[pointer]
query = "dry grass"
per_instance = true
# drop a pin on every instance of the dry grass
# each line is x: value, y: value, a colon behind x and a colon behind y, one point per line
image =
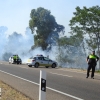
x: 8, y: 93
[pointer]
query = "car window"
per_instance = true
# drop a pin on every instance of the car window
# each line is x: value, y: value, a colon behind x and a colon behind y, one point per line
x: 40, y: 58
x: 45, y: 58
x: 35, y: 58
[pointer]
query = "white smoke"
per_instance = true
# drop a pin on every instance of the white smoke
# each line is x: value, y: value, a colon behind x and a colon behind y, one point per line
x: 16, y: 43
x: 3, y: 39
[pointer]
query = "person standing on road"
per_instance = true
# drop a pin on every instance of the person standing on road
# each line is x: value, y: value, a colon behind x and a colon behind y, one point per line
x: 92, y: 62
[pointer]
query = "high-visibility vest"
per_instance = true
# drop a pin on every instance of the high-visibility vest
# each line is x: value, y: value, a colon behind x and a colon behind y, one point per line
x: 14, y: 57
x: 92, y: 56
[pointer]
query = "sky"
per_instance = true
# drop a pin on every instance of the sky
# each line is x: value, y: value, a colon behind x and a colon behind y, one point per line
x: 15, y: 14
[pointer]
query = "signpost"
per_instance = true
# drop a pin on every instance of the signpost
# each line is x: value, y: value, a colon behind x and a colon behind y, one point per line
x: 42, y: 87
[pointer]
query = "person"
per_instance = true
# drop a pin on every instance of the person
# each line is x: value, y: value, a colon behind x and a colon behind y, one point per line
x: 14, y: 58
x: 92, y: 61
x: 17, y: 57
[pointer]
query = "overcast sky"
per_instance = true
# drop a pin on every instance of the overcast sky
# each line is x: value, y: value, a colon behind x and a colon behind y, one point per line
x: 15, y: 14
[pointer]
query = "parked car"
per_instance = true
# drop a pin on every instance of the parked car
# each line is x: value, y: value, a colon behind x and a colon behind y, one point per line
x: 40, y: 60
x: 17, y: 61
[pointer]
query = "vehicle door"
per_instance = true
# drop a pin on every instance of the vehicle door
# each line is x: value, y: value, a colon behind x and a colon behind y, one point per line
x: 45, y: 61
x: 40, y: 61
x: 50, y: 62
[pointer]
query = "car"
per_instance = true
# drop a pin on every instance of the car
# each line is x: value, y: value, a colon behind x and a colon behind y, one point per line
x: 18, y: 61
x: 40, y: 60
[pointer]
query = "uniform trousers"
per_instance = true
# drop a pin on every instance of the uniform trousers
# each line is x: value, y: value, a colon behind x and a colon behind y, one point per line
x: 91, y: 66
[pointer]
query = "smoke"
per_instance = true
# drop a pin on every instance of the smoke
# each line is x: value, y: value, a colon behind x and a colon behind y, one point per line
x: 70, y: 57
x: 16, y: 43
x: 19, y: 44
x: 3, y: 39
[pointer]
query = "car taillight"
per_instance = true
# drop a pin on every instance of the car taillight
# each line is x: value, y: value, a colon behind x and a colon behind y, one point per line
x: 33, y: 60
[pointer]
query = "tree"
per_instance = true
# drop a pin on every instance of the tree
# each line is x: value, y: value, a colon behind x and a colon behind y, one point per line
x: 87, y: 21
x: 69, y: 48
x: 43, y: 24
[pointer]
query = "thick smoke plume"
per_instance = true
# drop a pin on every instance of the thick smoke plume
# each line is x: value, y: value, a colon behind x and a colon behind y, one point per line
x: 16, y: 43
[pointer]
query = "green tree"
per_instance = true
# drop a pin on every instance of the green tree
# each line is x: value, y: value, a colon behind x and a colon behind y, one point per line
x: 87, y: 21
x: 43, y: 23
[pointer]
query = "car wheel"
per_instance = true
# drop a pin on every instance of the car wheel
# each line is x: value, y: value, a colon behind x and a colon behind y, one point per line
x: 53, y: 65
x: 47, y: 66
x: 36, y: 65
x: 30, y: 65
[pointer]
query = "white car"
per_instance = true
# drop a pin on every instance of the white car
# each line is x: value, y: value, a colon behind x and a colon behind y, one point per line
x: 11, y: 61
x: 41, y: 61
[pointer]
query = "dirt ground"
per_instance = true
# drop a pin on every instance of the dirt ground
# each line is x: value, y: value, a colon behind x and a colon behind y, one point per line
x: 8, y: 93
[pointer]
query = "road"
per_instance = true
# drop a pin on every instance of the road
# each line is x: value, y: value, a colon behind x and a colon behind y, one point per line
x: 62, y: 83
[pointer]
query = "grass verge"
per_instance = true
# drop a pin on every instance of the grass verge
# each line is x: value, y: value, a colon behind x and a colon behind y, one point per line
x: 8, y: 93
x: 98, y: 71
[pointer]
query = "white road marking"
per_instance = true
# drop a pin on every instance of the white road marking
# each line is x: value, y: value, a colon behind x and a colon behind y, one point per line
x: 66, y: 94
x: 46, y: 87
x: 72, y: 71
x: 61, y: 74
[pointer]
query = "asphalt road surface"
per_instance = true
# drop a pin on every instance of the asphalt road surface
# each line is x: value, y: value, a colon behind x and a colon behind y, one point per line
x: 62, y: 83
